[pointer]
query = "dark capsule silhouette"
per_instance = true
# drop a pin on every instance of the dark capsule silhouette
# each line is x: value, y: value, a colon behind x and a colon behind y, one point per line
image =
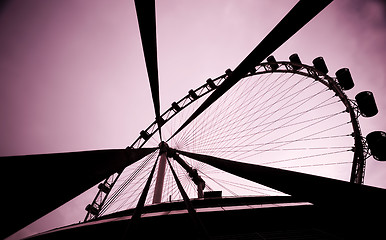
x: 144, y: 135
x: 91, y: 209
x: 294, y: 58
x: 272, y: 63
x: 344, y: 78
x: 366, y: 104
x: 377, y: 143
x: 192, y: 94
x: 175, y: 107
x: 320, y: 65
x: 210, y: 83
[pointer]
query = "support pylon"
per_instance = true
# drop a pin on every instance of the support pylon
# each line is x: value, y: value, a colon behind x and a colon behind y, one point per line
x: 159, y: 184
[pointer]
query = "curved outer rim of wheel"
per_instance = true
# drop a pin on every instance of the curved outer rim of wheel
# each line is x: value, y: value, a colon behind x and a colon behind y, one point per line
x: 359, y: 158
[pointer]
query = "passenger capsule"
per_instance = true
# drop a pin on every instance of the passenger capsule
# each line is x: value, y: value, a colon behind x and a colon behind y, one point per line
x: 228, y: 72
x: 377, y: 143
x: 210, y: 83
x: 175, y: 107
x: 344, y: 78
x: 294, y: 58
x: 320, y: 65
x: 144, y: 135
x: 192, y: 94
x: 366, y: 104
x: 272, y: 63
x: 91, y: 209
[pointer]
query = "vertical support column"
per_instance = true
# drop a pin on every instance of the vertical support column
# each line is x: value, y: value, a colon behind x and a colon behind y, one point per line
x: 159, y: 184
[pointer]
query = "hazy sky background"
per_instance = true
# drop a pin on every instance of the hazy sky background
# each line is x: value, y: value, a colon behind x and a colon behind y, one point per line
x: 72, y: 73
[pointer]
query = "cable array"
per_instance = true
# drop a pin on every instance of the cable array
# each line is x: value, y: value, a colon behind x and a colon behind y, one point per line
x: 275, y: 119
x: 281, y: 120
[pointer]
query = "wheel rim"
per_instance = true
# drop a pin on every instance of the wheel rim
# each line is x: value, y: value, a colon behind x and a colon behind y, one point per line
x: 292, y: 117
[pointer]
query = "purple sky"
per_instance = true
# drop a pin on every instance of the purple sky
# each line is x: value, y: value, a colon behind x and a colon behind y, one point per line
x: 72, y: 73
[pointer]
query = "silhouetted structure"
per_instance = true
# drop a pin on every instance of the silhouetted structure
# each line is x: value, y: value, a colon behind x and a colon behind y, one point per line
x: 318, y: 208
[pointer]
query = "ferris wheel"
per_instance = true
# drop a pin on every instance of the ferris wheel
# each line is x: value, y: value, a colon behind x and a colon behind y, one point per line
x: 282, y: 114
x: 266, y: 127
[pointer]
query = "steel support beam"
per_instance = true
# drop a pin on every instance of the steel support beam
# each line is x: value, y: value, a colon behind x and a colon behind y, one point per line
x: 130, y: 229
x: 340, y: 201
x: 316, y: 189
x: 146, y: 16
x: 159, y: 184
x: 203, y: 234
x: 296, y: 18
x: 46, y: 181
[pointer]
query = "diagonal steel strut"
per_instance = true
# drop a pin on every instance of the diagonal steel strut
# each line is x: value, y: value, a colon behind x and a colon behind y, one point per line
x: 193, y: 174
x: 54, y: 179
x: 330, y: 194
x: 299, y: 16
x: 147, y: 26
x: 192, y: 212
